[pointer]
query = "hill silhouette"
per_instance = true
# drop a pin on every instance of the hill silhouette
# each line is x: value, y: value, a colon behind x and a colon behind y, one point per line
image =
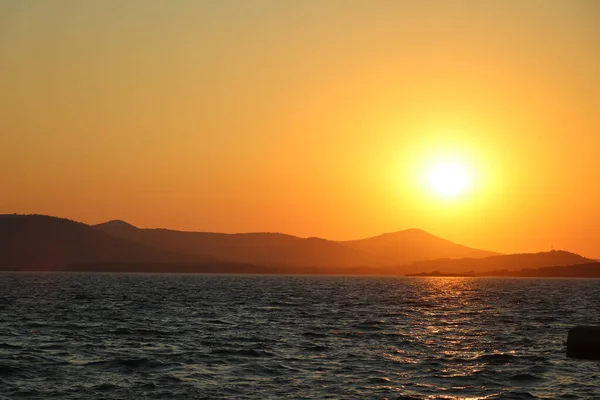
x: 510, y: 262
x: 590, y: 270
x: 37, y: 242
x: 277, y: 249
x: 268, y: 249
x: 413, y: 245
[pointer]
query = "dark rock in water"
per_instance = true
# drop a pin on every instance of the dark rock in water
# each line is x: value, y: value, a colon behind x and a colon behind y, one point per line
x: 584, y: 342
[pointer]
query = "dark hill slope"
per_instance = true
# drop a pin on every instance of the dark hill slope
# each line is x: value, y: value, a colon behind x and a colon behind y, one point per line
x: 269, y: 249
x: 510, y: 262
x: 413, y: 245
x: 36, y: 242
x: 591, y: 270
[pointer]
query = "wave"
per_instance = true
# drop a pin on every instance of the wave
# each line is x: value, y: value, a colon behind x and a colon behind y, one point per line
x: 130, y: 365
x: 242, y: 352
x: 140, y: 332
x: 495, y: 358
x: 10, y: 346
x: 525, y: 377
x: 9, y: 370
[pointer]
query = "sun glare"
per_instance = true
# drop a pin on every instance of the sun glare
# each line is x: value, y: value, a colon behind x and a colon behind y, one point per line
x: 448, y: 171
x: 448, y: 178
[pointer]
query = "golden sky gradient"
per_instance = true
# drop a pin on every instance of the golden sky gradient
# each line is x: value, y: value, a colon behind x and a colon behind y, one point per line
x: 314, y: 118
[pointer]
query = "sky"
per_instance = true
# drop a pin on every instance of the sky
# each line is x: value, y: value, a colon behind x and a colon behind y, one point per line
x: 313, y: 118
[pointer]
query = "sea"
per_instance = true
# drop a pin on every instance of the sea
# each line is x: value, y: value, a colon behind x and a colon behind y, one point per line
x: 187, y: 336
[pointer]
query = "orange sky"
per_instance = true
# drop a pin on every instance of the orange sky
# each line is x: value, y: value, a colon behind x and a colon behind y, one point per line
x: 314, y: 118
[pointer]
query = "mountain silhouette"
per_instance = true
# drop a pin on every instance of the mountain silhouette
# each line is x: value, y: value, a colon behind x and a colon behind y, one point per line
x: 268, y: 249
x: 37, y: 242
x: 496, y: 265
x: 281, y: 250
x: 589, y: 270
x: 47, y: 243
x: 412, y: 245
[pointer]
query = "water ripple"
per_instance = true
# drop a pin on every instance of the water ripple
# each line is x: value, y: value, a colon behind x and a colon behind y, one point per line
x: 109, y: 336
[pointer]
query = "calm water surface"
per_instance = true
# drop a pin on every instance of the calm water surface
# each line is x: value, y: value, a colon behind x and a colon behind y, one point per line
x: 73, y: 336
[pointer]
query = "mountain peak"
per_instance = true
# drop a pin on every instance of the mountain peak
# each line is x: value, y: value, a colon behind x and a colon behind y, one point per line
x: 40, y: 242
x: 508, y: 262
x: 117, y: 224
x: 410, y: 245
x: 408, y: 232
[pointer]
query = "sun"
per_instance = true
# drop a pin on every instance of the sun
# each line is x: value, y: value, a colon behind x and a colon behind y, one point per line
x: 447, y: 172
x: 448, y: 178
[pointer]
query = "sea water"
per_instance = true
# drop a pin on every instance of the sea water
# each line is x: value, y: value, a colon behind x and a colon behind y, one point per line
x: 118, y: 336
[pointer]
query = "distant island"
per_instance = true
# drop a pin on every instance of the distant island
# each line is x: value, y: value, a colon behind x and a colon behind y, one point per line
x: 508, y: 262
x: 45, y: 243
x: 548, y: 264
x: 590, y: 270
